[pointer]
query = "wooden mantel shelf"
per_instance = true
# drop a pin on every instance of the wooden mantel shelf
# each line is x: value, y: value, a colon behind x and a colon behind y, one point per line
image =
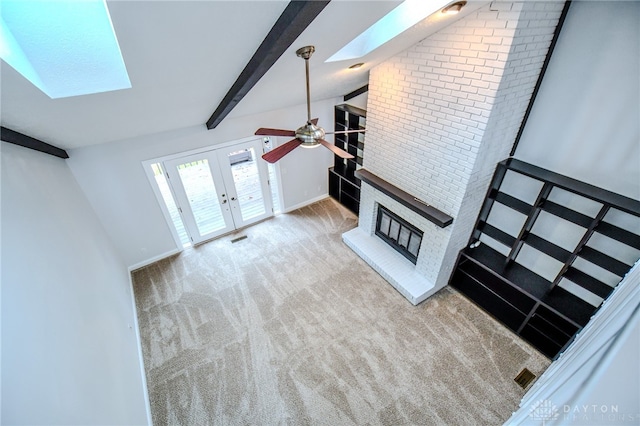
x: 425, y: 210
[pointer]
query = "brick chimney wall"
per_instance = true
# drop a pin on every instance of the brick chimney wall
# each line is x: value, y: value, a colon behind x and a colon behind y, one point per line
x: 441, y: 114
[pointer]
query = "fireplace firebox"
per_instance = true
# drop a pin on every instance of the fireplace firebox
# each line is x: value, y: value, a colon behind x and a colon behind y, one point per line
x: 398, y: 233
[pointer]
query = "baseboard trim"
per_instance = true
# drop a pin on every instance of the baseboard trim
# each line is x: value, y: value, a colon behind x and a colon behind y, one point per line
x: 178, y: 250
x: 143, y: 371
x: 154, y: 259
x: 305, y: 203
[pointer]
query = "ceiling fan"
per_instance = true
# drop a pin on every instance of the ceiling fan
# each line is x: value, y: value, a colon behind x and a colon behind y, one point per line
x: 310, y: 135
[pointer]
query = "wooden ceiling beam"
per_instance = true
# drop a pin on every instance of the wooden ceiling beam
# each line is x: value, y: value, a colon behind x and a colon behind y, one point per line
x: 356, y: 92
x: 17, y: 138
x: 295, y: 18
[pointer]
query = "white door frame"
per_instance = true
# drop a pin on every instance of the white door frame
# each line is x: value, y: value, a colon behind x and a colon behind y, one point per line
x: 147, y: 167
x: 220, y: 198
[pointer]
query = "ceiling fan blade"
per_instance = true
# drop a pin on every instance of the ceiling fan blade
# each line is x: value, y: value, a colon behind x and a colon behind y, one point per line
x: 339, y: 152
x: 277, y: 153
x: 342, y: 132
x: 263, y: 131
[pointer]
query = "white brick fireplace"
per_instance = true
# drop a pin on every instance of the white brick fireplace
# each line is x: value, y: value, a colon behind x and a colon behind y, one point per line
x: 440, y: 115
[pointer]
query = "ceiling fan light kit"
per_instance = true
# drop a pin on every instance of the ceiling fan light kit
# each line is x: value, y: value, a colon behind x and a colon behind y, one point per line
x: 308, y: 136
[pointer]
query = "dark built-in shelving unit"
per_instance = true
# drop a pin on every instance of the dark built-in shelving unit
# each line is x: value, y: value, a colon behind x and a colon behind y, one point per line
x: 547, y: 307
x: 344, y: 186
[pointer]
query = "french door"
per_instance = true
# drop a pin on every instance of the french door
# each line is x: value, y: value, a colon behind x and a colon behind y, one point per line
x: 220, y: 190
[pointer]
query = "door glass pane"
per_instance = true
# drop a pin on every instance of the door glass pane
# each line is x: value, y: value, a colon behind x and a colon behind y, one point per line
x: 275, y: 196
x: 273, y: 179
x: 246, y: 179
x: 203, y: 197
x: 170, y: 203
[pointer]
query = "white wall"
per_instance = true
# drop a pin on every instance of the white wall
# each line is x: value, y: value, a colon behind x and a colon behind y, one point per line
x: 112, y: 177
x: 69, y: 348
x: 585, y: 122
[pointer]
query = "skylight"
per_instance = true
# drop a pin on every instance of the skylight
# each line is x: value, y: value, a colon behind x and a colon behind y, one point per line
x: 403, y: 17
x: 64, y: 47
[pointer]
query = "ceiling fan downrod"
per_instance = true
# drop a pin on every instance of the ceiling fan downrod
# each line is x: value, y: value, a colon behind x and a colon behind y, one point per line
x: 305, y: 53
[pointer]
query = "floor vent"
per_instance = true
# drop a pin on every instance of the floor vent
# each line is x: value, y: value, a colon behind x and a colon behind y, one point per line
x: 525, y: 378
x: 235, y: 240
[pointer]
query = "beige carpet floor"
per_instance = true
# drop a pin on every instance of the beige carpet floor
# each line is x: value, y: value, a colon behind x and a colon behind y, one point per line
x: 288, y: 326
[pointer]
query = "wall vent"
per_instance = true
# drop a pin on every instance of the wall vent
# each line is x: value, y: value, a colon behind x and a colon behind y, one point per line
x: 235, y: 240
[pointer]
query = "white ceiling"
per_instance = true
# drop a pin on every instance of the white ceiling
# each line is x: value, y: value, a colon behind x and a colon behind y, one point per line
x: 182, y: 58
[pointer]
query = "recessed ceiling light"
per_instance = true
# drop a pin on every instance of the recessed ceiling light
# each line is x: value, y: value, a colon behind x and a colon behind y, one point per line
x: 65, y: 48
x: 356, y: 66
x: 400, y: 19
x: 454, y: 8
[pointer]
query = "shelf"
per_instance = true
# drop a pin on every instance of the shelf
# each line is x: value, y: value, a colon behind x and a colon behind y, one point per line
x: 346, y: 173
x: 538, y: 339
x: 428, y: 212
x: 491, y: 301
x: 622, y: 235
x: 572, y: 307
x: 567, y: 214
x: 344, y: 185
x: 547, y: 247
x: 559, y: 323
x: 351, y: 204
x: 549, y: 330
x: 514, y: 295
x: 350, y: 190
x: 496, y: 234
x: 352, y: 110
x: 334, y: 185
x: 519, y: 276
x: 512, y: 202
x: 621, y: 202
x: 604, y: 261
x: 521, y: 288
x: 587, y: 282
x: 543, y: 312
